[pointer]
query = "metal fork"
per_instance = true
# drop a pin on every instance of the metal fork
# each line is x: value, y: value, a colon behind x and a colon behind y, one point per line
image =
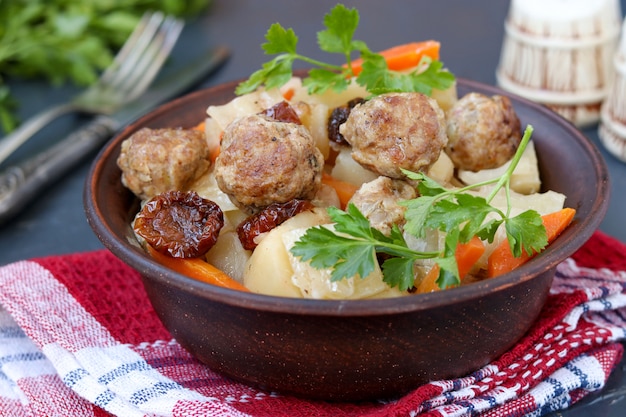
x: 131, y: 72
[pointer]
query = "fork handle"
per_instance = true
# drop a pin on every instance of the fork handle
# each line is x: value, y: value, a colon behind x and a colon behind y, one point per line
x: 30, y: 127
x: 20, y: 184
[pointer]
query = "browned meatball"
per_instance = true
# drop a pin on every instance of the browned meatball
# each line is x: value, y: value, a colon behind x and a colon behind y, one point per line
x: 263, y: 161
x: 483, y: 132
x: 378, y: 201
x: 157, y: 160
x: 394, y: 131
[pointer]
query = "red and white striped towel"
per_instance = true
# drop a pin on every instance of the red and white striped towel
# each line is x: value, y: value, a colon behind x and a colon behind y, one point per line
x: 78, y: 337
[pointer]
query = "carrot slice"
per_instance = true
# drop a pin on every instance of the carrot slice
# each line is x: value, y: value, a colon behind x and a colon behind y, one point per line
x: 200, y: 126
x: 404, y: 56
x: 288, y: 95
x: 466, y: 254
x: 215, y: 148
x: 198, y: 269
x: 502, y: 260
x: 345, y: 190
x: 429, y: 282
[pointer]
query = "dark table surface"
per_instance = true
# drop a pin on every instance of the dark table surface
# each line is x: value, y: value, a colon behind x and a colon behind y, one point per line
x: 471, y: 35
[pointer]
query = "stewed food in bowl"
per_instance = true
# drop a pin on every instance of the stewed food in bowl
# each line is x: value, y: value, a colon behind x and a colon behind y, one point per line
x: 347, y: 237
x: 241, y: 190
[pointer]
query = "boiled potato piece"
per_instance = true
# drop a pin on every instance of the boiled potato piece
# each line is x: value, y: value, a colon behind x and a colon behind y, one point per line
x: 314, y: 116
x: 229, y: 255
x: 445, y: 98
x: 525, y: 178
x: 326, y: 197
x: 348, y: 170
x: 206, y: 187
x: 315, y: 283
x: 543, y: 203
x: 269, y: 270
x: 213, y: 134
x: 244, y: 105
x: 442, y: 170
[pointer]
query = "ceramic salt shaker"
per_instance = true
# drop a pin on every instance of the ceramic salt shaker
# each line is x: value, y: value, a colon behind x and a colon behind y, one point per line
x: 559, y: 53
x: 612, y: 127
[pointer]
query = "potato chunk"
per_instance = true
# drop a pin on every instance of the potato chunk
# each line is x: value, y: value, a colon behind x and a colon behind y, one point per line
x: 525, y: 178
x: 269, y: 270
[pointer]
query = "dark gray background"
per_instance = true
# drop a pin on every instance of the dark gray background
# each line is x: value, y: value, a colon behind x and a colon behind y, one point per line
x: 471, y: 34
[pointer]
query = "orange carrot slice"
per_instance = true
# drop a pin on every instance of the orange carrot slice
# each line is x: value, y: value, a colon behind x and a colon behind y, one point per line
x: 288, y: 95
x: 466, y: 254
x: 198, y: 269
x: 345, y: 190
x: 404, y: 56
x: 502, y: 260
x: 215, y: 148
x: 200, y: 126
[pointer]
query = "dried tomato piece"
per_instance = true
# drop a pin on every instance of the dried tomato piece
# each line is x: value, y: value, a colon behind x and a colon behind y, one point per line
x: 337, y: 117
x: 282, y: 112
x: 180, y: 224
x: 267, y: 219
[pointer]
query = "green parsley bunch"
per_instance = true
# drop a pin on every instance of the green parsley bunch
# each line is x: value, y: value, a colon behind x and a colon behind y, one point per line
x: 68, y: 40
x: 338, y: 38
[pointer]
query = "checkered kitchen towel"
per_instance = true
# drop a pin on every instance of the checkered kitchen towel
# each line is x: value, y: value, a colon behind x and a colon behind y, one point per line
x: 78, y: 337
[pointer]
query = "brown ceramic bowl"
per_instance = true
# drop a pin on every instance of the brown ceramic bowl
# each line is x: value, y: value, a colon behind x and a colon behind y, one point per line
x: 353, y: 350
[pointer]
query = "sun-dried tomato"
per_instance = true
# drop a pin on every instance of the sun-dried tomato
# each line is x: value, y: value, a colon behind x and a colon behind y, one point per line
x: 180, y: 224
x: 267, y: 219
x: 282, y: 112
x: 338, y: 116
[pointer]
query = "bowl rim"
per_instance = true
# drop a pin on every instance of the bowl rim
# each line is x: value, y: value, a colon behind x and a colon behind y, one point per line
x: 150, y: 269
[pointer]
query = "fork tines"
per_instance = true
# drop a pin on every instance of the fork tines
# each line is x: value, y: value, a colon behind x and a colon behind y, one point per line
x: 143, y: 54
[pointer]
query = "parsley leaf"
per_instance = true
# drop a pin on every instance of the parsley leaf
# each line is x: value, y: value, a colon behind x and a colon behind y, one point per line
x: 448, y: 268
x: 68, y: 41
x: 350, y: 250
x: 280, y: 40
x: 338, y: 38
x: 399, y: 272
x: 378, y: 79
x: 341, y: 24
x: 320, y: 80
x: 526, y: 232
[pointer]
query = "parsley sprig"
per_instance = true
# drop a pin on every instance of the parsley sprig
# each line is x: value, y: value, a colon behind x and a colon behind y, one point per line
x: 352, y: 248
x: 338, y: 38
x: 67, y: 41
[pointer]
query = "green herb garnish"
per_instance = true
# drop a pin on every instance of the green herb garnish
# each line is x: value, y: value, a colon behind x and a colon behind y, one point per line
x: 352, y: 249
x: 338, y: 38
x: 60, y: 40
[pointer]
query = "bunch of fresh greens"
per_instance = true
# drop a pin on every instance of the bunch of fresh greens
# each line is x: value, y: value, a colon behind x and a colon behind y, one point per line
x: 68, y: 40
x: 352, y: 248
x: 338, y: 37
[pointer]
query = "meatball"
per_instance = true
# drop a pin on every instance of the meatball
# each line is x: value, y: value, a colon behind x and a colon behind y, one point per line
x: 378, y: 201
x: 483, y: 132
x: 263, y: 161
x: 157, y: 160
x: 394, y: 131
